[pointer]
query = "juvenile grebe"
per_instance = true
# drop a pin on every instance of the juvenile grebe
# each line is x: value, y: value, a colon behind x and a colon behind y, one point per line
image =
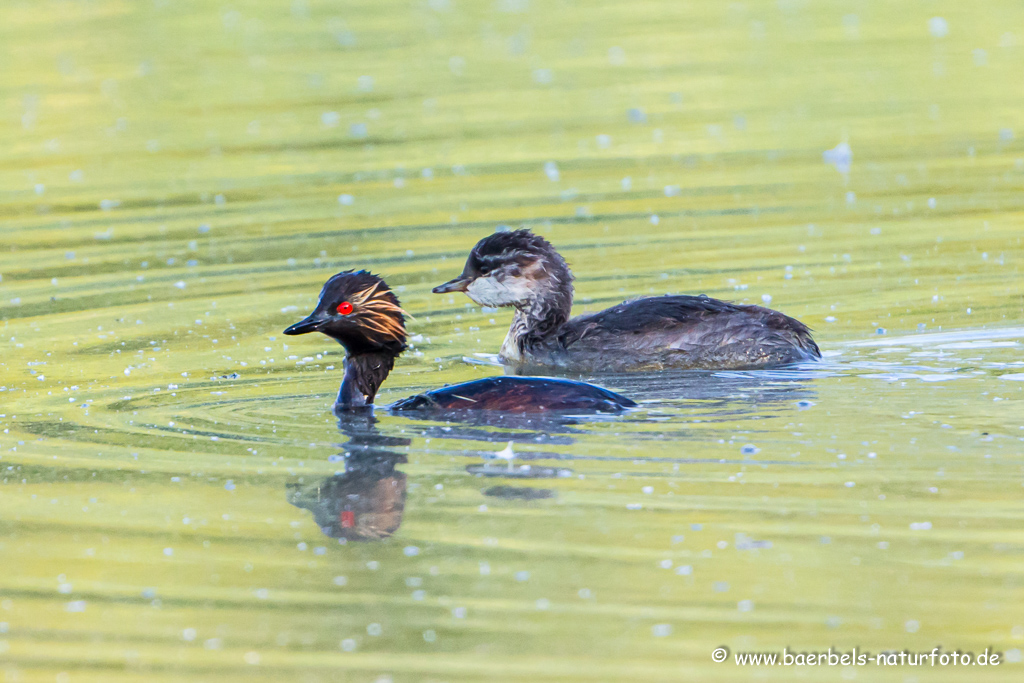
x: 522, y: 270
x: 359, y: 311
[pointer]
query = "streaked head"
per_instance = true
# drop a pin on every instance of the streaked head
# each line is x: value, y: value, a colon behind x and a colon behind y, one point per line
x: 510, y: 269
x: 360, y: 311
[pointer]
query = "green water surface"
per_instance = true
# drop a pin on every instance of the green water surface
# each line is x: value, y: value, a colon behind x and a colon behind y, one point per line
x: 178, y: 178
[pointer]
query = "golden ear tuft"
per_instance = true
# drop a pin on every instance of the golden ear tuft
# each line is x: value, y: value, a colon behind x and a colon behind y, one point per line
x: 382, y: 308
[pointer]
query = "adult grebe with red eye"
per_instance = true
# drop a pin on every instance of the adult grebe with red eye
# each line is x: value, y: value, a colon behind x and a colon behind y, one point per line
x: 344, y: 308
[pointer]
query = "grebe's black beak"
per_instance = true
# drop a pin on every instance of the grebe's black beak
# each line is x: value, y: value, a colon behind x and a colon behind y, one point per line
x: 459, y: 284
x: 310, y: 324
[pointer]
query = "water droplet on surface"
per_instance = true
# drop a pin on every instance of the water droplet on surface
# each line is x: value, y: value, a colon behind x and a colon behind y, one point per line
x: 938, y: 27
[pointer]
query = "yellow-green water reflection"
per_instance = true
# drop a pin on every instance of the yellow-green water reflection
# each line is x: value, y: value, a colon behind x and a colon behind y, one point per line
x: 178, y: 178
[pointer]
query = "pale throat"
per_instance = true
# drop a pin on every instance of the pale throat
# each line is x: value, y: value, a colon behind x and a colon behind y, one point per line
x: 488, y: 291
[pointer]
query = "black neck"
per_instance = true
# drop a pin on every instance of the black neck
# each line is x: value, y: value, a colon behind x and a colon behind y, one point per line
x: 364, y: 373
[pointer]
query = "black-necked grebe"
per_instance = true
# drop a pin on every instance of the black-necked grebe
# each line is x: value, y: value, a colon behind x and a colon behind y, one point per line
x: 359, y: 311
x: 522, y: 270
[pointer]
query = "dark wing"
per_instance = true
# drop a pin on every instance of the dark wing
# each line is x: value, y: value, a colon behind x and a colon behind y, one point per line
x: 519, y: 395
x: 697, y: 330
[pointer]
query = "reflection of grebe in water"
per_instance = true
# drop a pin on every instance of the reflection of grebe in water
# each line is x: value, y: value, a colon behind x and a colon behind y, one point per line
x: 367, y: 500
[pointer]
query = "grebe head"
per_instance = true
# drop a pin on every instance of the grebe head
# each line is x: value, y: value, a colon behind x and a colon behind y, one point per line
x: 511, y: 268
x: 360, y: 311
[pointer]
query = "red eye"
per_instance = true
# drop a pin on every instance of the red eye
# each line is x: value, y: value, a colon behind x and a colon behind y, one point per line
x: 344, y: 308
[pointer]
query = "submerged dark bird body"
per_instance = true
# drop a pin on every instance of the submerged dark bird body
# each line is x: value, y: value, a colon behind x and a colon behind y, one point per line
x: 518, y: 395
x: 359, y: 311
x: 522, y: 270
